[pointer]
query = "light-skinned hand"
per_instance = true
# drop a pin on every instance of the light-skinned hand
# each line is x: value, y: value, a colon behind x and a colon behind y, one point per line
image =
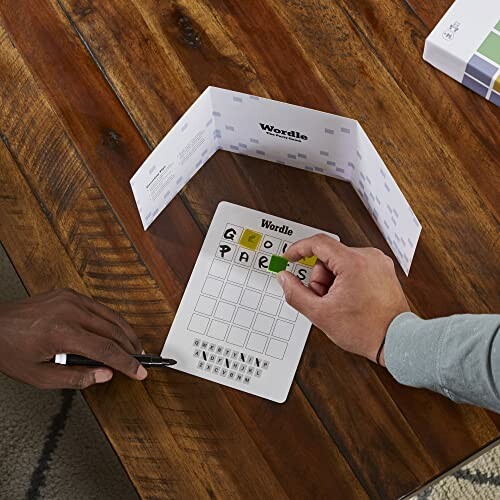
x: 353, y: 293
x: 34, y: 330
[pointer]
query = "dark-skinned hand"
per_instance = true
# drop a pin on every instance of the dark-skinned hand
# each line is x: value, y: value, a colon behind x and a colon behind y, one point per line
x: 34, y: 330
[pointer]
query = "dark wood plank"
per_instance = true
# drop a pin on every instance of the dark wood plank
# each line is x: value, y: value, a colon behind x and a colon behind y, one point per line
x: 430, y: 12
x: 198, y: 417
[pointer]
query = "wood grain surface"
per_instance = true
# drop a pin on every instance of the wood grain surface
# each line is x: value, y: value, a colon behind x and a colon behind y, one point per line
x: 88, y: 88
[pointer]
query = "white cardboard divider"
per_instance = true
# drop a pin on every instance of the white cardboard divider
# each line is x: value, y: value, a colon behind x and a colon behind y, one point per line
x: 282, y: 133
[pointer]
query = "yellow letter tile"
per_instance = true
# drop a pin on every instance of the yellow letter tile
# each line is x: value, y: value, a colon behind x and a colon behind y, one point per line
x: 308, y: 261
x: 250, y: 239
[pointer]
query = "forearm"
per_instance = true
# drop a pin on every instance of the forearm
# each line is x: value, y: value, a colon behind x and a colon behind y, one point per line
x: 457, y: 356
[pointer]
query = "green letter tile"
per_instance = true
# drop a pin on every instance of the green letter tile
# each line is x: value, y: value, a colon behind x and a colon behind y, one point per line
x: 277, y: 264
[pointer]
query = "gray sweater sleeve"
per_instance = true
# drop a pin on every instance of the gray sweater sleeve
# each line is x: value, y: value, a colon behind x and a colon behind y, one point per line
x: 458, y: 356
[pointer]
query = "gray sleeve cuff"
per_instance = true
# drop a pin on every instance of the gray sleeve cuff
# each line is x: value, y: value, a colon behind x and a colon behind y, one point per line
x: 457, y: 356
x: 412, y: 350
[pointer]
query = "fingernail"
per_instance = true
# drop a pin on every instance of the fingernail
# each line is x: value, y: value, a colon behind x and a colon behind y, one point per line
x: 281, y: 277
x: 102, y: 376
x: 141, y: 373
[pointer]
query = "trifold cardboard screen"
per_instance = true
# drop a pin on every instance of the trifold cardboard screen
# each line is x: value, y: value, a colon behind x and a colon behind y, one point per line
x: 282, y: 133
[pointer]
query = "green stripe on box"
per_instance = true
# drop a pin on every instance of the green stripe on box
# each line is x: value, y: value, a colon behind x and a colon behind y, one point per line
x: 497, y: 27
x: 491, y: 47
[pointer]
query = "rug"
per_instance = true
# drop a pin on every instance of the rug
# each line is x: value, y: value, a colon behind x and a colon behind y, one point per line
x: 478, y: 479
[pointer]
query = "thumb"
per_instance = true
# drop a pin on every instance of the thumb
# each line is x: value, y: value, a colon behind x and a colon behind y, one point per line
x: 297, y: 294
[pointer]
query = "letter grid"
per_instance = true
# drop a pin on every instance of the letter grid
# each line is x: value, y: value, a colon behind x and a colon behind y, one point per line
x: 242, y: 306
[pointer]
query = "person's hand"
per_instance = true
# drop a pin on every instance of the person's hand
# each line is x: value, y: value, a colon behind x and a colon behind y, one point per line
x: 33, y: 331
x: 353, y: 293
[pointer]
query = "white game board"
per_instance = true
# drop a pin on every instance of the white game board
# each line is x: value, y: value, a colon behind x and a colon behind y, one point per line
x: 233, y: 325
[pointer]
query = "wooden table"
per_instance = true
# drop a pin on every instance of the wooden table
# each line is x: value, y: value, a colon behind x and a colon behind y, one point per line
x: 88, y: 88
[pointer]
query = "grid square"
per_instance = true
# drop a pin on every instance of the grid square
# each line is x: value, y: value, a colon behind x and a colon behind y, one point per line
x: 257, y: 280
x: 270, y: 305
x: 285, y: 246
x: 244, y: 317
x: 276, y: 349
x: 244, y: 257
x: 225, y: 250
x: 224, y: 311
x: 219, y: 268
x: 303, y: 273
x: 237, y: 336
x: 238, y: 275
x: 288, y: 312
x: 263, y: 323
x: 256, y: 342
x: 212, y: 287
x: 232, y: 232
x: 198, y: 323
x: 262, y: 261
x: 205, y: 305
x: 270, y: 244
x: 250, y: 299
x: 283, y: 329
x: 274, y: 287
x: 217, y: 330
x: 231, y: 293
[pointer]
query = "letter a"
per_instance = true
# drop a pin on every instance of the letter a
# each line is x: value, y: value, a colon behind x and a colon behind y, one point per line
x: 244, y: 257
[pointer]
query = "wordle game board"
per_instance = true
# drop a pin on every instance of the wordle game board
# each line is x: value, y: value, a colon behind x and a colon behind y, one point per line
x: 233, y: 325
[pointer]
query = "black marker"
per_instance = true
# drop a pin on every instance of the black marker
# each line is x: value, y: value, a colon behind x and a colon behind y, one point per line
x: 144, y: 360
